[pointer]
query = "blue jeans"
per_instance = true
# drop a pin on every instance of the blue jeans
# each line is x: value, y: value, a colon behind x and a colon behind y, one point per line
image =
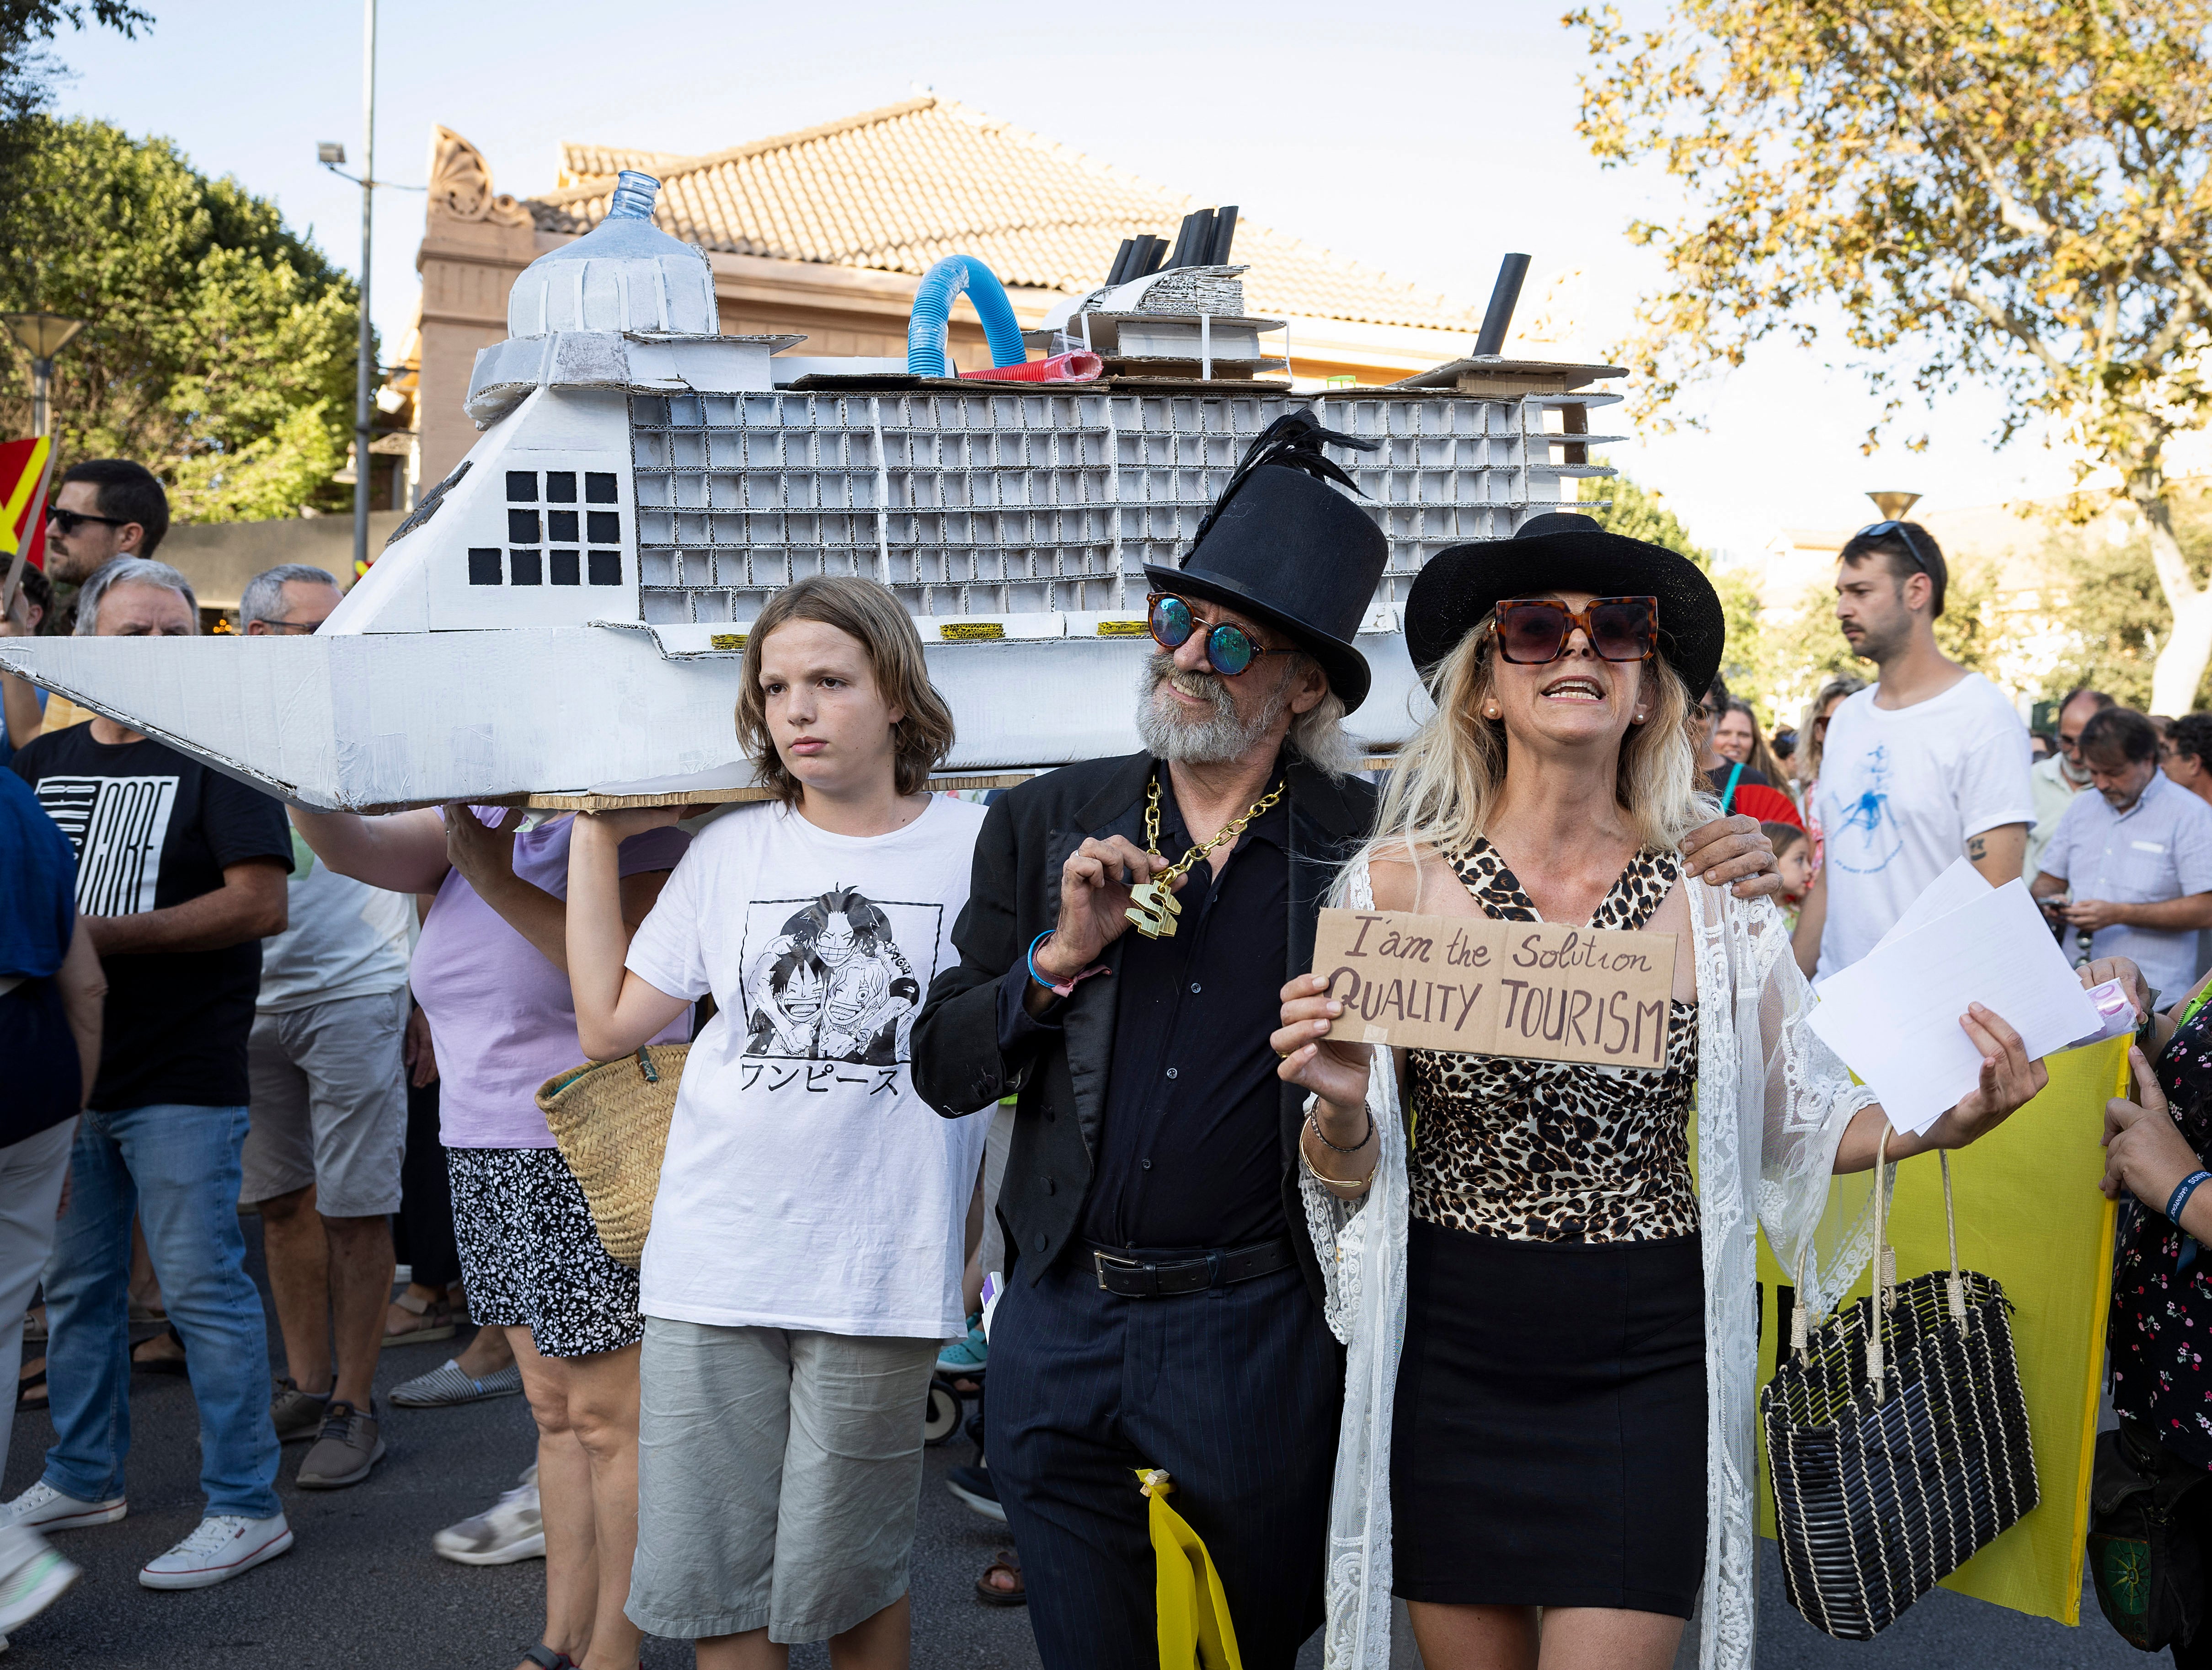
x: 178, y: 1169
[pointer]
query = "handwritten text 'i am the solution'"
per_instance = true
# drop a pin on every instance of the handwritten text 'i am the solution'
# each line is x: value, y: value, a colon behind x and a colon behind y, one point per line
x: 1534, y: 989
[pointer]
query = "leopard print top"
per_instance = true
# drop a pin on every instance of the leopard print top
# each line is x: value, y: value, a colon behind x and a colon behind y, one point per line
x: 1554, y: 1151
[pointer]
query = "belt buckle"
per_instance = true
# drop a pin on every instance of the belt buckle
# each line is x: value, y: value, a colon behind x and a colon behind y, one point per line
x: 1100, y: 1259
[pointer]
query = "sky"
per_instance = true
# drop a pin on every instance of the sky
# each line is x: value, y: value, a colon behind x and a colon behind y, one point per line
x: 1424, y: 138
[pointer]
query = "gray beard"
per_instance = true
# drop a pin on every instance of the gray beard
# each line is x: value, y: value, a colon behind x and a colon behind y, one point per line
x: 1220, y: 735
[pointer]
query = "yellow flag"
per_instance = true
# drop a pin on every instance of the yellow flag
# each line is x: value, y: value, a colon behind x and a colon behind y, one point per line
x: 1195, y: 1630
x: 2030, y: 1215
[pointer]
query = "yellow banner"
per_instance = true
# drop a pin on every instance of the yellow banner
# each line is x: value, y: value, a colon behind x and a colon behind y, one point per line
x: 2030, y: 1215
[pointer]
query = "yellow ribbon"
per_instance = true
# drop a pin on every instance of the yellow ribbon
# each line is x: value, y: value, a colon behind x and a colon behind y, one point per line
x: 1196, y: 1630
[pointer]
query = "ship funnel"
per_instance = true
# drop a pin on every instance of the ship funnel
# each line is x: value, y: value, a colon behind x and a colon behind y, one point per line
x: 633, y: 196
x: 624, y: 274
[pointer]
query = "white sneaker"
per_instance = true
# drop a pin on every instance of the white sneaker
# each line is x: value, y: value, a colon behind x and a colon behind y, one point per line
x: 224, y: 1546
x: 511, y: 1529
x: 45, y: 1509
x: 32, y: 1578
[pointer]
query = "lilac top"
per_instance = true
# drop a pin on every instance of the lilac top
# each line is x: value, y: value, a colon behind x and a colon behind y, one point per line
x: 501, y: 1015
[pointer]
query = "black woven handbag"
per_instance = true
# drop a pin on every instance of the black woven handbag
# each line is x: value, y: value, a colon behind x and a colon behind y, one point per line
x: 1896, y: 1439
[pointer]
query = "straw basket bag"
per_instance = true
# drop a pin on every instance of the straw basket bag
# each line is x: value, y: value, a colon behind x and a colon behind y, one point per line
x: 610, y: 1119
x: 1896, y: 1437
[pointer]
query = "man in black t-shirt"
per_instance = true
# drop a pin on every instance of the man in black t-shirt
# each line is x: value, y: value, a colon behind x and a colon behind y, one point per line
x: 180, y: 874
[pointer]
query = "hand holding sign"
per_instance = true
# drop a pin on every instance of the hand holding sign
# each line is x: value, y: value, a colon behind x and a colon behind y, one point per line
x: 1474, y: 984
x: 1335, y: 1072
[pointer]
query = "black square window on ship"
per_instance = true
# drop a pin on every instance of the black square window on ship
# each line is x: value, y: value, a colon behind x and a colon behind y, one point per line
x: 560, y: 487
x: 605, y: 526
x: 566, y: 568
x: 606, y: 567
x: 522, y: 487
x: 521, y: 527
x: 528, y: 568
x: 483, y: 565
x: 562, y: 524
x: 599, y: 487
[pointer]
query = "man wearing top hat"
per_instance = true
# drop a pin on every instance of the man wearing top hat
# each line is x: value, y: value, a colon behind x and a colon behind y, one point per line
x: 1163, y: 1308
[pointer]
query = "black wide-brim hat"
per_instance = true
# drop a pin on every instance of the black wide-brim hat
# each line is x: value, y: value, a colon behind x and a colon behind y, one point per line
x: 1560, y: 551
x: 1288, y: 551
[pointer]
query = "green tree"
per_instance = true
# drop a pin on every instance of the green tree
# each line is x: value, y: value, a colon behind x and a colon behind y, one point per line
x: 2114, y: 612
x: 1623, y: 505
x: 27, y: 74
x: 220, y: 346
x: 2014, y: 190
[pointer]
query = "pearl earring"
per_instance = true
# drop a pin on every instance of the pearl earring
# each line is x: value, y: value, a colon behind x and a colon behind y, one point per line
x: 1490, y: 710
x: 1640, y: 716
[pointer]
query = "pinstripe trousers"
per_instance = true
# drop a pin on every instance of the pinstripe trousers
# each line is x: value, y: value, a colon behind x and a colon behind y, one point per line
x: 1236, y: 1391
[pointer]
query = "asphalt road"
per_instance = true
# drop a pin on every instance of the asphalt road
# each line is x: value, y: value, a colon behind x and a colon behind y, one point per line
x: 361, y: 1586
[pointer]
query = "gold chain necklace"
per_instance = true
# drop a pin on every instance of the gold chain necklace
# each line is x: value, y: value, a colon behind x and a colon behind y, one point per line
x: 1152, y: 905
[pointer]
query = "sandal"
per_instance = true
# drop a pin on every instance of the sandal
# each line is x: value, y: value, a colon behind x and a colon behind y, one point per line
x: 547, y: 1658
x: 31, y: 1387
x: 434, y: 1319
x: 1005, y: 1560
x: 162, y: 1365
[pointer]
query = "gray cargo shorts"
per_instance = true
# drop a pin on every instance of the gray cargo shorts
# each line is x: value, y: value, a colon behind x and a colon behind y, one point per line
x: 779, y: 1475
x: 330, y: 1105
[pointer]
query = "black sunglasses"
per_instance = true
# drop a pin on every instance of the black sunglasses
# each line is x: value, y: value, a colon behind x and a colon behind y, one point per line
x: 1229, y: 649
x: 1883, y: 529
x: 69, y: 521
x: 1533, y: 630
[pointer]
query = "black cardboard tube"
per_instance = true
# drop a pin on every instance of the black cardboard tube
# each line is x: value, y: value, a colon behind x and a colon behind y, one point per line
x: 1503, y: 297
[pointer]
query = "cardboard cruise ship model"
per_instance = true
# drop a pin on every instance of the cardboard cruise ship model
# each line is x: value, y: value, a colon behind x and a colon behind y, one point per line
x: 561, y: 620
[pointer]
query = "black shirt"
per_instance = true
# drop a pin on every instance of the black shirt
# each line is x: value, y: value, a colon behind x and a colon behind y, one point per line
x: 153, y: 828
x: 1189, y: 1149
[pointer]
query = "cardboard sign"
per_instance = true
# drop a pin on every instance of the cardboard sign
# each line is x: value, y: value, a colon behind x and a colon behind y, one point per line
x: 1470, y: 983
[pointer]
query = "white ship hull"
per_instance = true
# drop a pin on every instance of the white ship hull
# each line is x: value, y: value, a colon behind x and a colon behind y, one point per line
x: 376, y: 721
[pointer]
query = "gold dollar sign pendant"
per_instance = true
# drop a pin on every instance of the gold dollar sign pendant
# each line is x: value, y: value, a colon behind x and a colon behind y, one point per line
x: 1153, y: 910
x: 1153, y: 905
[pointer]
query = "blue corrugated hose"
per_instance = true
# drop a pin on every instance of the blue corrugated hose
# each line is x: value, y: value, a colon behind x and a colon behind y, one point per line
x: 943, y: 285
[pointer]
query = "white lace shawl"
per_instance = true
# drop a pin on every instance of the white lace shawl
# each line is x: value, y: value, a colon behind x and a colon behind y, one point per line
x: 1772, y: 1103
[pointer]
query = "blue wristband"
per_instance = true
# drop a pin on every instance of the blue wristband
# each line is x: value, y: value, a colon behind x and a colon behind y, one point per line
x: 2177, y: 1201
x: 1031, y: 960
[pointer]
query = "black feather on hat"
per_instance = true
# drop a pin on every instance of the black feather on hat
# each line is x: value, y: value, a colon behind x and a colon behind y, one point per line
x: 1562, y: 552
x: 1283, y: 547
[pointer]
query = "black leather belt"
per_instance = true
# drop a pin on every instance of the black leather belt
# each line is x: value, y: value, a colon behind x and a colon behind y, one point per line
x: 1143, y: 1278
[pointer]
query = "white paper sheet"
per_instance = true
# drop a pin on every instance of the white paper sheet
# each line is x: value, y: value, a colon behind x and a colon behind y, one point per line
x: 1894, y: 1015
x: 1961, y: 884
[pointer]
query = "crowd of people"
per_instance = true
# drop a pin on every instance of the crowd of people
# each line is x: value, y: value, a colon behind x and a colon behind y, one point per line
x: 1503, y: 1372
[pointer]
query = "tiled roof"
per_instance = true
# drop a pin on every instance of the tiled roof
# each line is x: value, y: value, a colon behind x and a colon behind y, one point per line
x: 581, y: 163
x: 898, y: 189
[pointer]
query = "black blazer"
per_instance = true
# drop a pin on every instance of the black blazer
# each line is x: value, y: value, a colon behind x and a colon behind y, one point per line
x: 1061, y: 1093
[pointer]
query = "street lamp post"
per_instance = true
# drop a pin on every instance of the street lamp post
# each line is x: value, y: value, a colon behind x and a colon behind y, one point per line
x: 43, y: 336
x: 332, y: 156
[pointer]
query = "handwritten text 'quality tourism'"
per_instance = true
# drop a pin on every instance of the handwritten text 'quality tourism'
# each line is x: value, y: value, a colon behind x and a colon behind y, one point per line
x: 1533, y: 989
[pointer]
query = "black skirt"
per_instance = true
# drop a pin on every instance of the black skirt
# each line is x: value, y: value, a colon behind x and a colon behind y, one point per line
x: 1549, y: 1448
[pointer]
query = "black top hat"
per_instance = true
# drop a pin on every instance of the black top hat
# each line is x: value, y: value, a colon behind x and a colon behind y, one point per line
x: 1285, y: 548
x: 1560, y: 551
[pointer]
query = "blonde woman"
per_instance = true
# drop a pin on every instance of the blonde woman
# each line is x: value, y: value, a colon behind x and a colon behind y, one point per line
x: 1565, y: 1430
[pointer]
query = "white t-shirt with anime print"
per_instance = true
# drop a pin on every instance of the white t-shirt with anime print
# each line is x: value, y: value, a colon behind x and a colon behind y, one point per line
x: 806, y: 1185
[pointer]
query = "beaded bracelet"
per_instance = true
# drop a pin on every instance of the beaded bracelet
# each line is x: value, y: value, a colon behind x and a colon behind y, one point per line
x: 1313, y: 1118
x: 2179, y: 1201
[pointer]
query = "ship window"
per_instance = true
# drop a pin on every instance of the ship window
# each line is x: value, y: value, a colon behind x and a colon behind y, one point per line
x: 522, y: 486
x: 565, y: 568
x: 560, y: 487
x: 605, y: 524
x: 599, y: 487
x: 483, y: 565
x: 606, y: 567
x: 529, y: 570
x: 561, y: 525
x: 521, y: 527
